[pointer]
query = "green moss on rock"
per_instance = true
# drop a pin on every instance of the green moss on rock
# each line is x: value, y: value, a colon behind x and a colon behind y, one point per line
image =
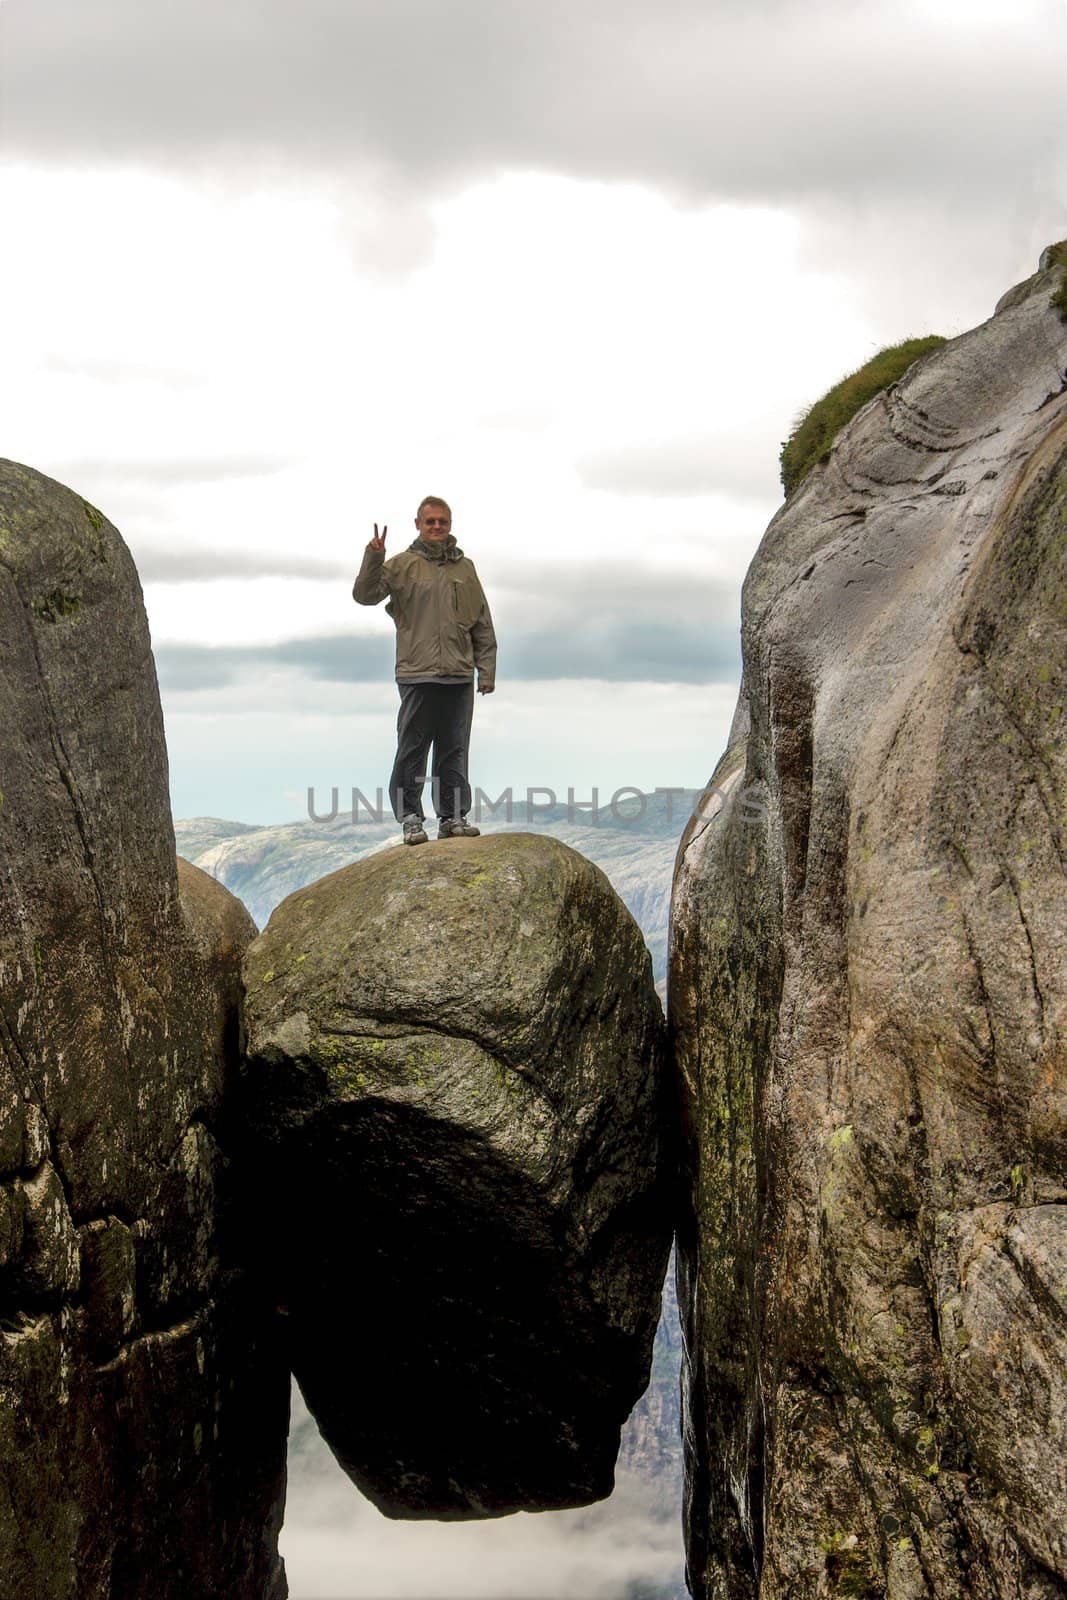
x: 51, y: 607
x: 816, y: 430
x: 94, y: 517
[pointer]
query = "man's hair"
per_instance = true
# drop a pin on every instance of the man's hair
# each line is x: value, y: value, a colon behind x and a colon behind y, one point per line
x: 434, y: 500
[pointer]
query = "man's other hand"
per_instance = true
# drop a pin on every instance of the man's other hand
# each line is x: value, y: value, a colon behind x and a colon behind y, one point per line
x: 378, y: 542
x: 485, y: 688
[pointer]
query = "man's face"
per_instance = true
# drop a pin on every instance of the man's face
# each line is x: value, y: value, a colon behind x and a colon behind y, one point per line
x: 433, y: 523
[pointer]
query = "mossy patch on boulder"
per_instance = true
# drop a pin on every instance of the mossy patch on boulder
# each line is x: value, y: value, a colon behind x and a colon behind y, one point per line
x: 816, y: 430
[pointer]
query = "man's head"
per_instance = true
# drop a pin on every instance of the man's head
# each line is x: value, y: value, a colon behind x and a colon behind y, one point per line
x: 433, y: 519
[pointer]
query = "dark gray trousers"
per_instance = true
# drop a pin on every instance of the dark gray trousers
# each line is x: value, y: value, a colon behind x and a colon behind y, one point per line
x: 438, y: 714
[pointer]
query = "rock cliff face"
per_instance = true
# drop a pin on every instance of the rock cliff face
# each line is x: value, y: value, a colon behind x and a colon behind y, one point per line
x: 455, y: 1059
x: 142, y: 1409
x: 868, y: 997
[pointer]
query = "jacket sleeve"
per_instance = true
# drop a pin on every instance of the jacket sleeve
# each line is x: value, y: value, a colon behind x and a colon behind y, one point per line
x: 483, y: 639
x: 372, y: 582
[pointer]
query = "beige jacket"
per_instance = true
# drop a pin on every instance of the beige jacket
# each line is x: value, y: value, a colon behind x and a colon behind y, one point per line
x: 443, y: 626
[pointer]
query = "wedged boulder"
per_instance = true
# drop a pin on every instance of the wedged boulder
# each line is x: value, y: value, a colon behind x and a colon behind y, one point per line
x: 454, y: 1096
x: 869, y: 996
x: 143, y: 1400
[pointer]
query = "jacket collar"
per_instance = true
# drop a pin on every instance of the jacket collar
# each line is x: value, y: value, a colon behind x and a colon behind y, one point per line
x: 449, y: 551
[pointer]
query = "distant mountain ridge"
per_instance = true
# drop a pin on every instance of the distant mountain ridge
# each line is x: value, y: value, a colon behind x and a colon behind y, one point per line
x: 261, y: 865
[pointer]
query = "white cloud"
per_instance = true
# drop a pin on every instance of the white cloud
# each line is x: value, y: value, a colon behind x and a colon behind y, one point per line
x: 337, y: 1546
x: 242, y: 395
x: 607, y: 312
x: 716, y: 462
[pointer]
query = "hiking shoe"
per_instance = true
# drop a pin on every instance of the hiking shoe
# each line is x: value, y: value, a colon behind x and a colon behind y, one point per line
x: 457, y: 828
x: 414, y: 832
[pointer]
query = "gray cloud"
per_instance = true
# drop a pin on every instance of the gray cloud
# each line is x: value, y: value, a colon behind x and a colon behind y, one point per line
x: 626, y: 652
x: 342, y: 658
x: 612, y: 584
x: 621, y: 624
x: 575, y: 598
x: 773, y: 101
x: 585, y: 599
x: 186, y: 565
x: 630, y: 652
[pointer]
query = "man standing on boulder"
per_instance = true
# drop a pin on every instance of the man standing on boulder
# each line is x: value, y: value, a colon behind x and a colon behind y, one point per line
x: 443, y: 633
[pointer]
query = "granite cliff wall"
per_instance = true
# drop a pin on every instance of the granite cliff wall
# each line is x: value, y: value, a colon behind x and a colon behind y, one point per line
x: 868, y: 1000
x: 143, y: 1400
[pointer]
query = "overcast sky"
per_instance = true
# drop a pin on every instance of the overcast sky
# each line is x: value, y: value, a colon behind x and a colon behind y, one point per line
x: 274, y: 269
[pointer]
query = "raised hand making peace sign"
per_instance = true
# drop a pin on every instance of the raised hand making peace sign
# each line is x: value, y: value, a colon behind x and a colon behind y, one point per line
x: 378, y: 542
